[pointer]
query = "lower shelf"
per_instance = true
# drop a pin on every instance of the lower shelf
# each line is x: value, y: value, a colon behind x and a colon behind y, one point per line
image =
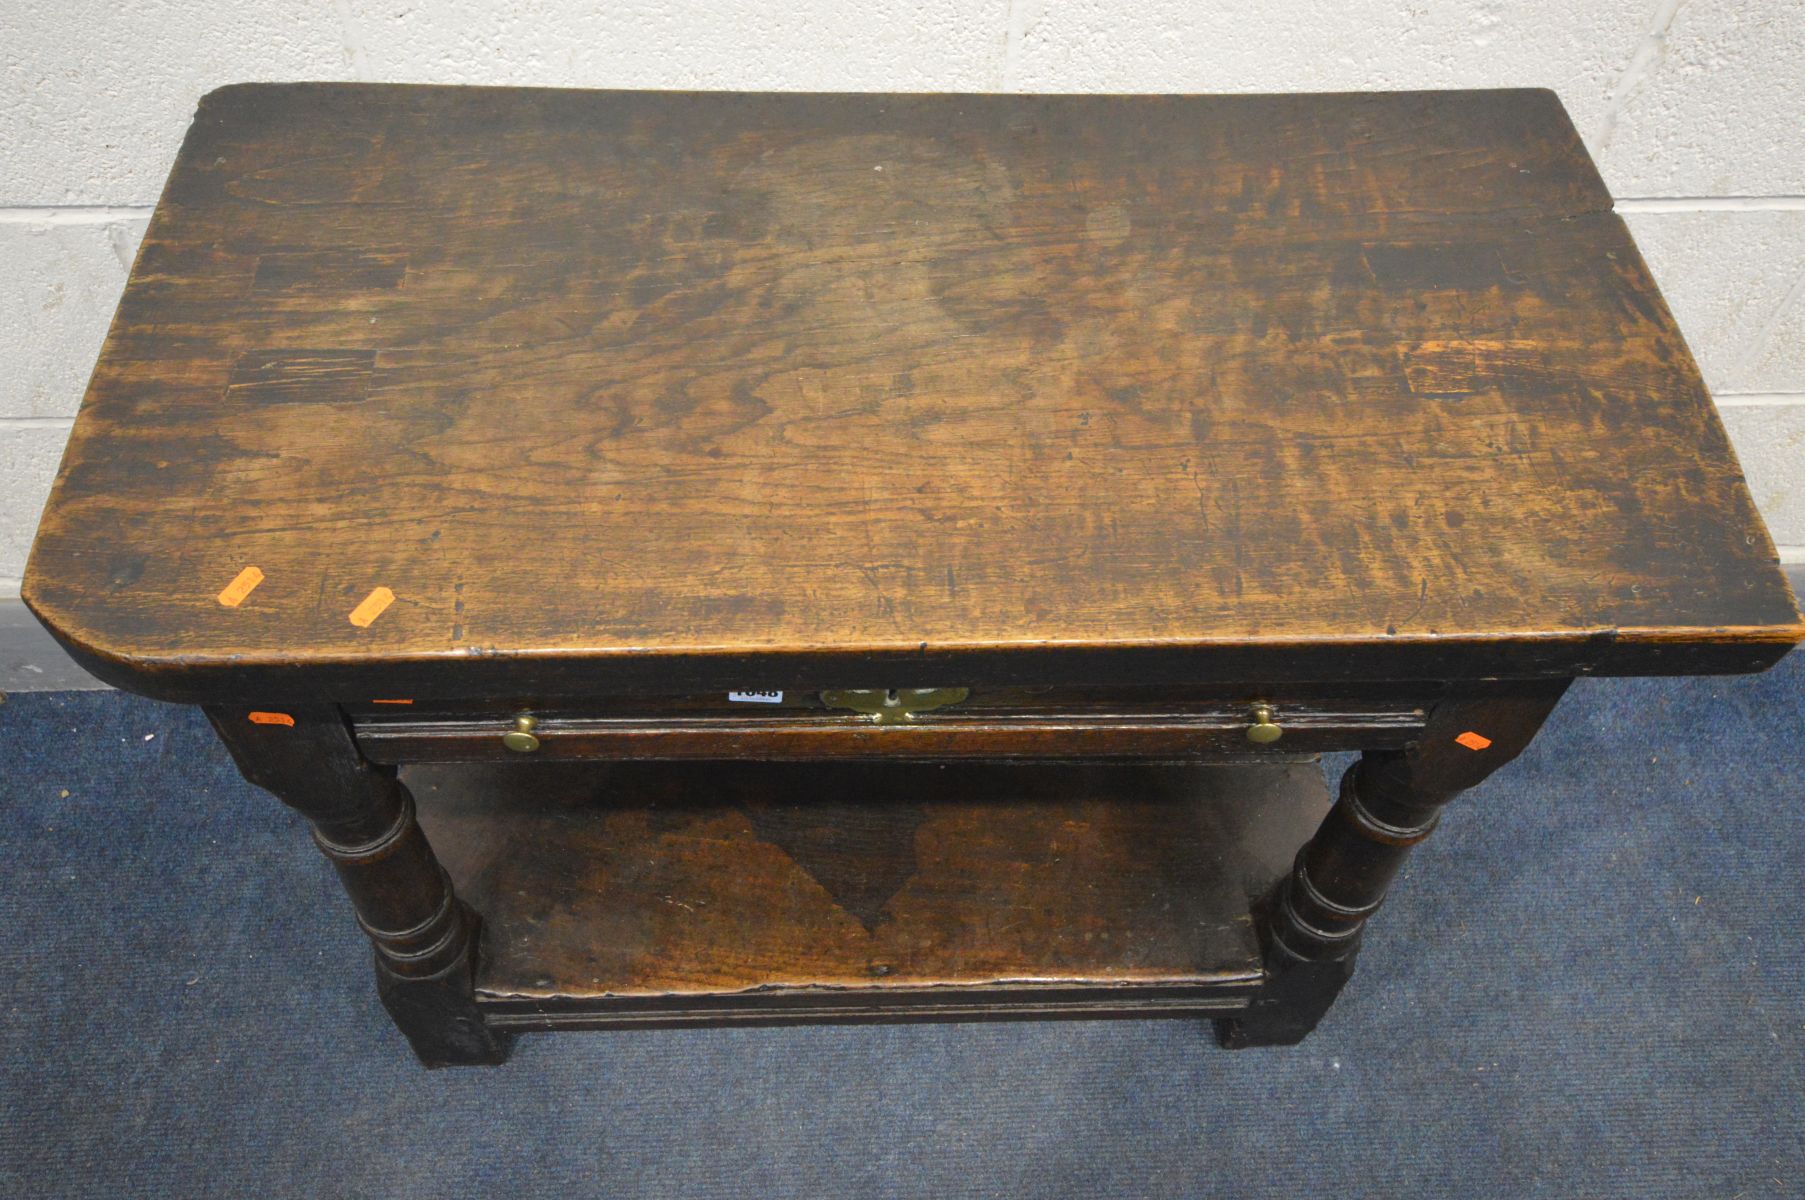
x: 723, y: 892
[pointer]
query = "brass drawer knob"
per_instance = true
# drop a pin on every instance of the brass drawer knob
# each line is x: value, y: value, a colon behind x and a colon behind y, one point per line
x: 521, y: 738
x: 1264, y: 730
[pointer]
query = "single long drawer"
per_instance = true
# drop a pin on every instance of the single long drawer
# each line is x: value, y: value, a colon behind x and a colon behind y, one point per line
x: 1000, y: 724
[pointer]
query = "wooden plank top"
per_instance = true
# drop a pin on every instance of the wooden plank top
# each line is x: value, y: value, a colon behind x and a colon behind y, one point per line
x: 618, y: 389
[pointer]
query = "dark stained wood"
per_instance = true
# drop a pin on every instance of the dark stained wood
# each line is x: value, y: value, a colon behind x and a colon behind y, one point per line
x: 363, y: 822
x: 740, y: 891
x: 666, y: 391
x: 1125, y: 413
x: 984, y: 699
x: 1389, y: 801
x: 1124, y: 730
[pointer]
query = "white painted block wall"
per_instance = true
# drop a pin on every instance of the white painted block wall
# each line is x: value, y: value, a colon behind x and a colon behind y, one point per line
x: 1695, y: 110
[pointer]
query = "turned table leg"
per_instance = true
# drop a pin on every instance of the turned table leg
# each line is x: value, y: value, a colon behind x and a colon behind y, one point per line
x: 363, y: 821
x: 1389, y: 801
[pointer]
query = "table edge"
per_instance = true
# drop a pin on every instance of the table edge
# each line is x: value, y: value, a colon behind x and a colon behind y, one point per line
x: 476, y: 672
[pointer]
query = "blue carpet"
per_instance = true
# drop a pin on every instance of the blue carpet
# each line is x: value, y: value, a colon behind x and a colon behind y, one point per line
x: 1589, y: 983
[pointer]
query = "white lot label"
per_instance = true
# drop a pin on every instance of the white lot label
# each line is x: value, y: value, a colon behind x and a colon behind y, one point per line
x: 756, y: 697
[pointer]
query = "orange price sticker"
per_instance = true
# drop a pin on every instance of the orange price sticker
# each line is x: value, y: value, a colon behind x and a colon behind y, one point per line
x: 265, y: 718
x: 371, y: 607
x: 242, y: 586
x: 391, y: 702
x: 1474, y: 741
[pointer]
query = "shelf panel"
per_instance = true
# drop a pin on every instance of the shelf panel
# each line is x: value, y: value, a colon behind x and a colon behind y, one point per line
x: 661, y: 893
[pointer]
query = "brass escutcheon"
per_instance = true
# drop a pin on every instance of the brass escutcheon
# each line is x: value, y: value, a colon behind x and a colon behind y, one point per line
x: 893, y: 706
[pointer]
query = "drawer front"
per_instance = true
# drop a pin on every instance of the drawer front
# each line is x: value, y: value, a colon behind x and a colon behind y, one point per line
x: 1045, y: 723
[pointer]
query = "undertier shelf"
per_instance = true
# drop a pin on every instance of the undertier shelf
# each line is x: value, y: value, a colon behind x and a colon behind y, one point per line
x: 716, y: 892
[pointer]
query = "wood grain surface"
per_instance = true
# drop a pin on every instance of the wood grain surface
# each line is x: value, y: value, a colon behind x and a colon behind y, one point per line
x: 617, y: 389
x: 734, y: 891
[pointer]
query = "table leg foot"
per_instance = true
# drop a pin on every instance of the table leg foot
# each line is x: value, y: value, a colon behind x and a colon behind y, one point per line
x: 438, y: 1014
x: 1298, y: 993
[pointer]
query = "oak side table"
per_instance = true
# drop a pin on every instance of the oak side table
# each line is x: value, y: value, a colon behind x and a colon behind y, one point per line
x: 727, y: 558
